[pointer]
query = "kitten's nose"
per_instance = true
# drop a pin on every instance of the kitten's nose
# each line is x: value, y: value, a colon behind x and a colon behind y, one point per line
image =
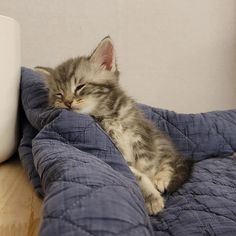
x: 68, y: 103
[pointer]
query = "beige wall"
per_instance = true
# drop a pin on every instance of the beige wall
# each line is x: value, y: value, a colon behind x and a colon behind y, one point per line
x: 179, y: 55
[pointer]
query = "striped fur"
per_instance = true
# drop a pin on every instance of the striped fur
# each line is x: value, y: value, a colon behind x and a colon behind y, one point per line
x: 90, y: 85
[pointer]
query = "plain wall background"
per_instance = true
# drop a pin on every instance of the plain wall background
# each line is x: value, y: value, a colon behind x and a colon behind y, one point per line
x: 179, y: 55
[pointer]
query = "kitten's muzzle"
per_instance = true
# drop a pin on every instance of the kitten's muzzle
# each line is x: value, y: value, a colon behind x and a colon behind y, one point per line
x: 68, y: 103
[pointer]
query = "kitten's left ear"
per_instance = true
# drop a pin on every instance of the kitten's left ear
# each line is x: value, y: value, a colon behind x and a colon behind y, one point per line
x: 104, y: 55
x: 44, y: 70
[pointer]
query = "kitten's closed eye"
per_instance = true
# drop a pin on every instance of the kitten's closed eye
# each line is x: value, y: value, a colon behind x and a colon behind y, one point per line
x: 79, y: 87
x: 59, y: 95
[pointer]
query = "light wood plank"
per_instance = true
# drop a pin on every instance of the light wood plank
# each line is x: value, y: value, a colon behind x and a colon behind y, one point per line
x: 20, y: 207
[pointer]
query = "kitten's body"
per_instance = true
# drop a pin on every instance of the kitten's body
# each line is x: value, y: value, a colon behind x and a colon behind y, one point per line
x: 90, y: 85
x: 149, y: 153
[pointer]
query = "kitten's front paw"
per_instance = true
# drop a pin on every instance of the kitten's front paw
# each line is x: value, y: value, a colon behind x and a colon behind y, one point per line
x: 154, y: 203
x: 162, y: 180
x: 162, y: 184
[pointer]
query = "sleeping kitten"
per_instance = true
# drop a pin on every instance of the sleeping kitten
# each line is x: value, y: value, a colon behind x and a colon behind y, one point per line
x: 90, y: 85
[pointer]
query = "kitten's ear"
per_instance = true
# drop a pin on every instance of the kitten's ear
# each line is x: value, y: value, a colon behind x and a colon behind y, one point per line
x: 46, y: 72
x: 104, y: 55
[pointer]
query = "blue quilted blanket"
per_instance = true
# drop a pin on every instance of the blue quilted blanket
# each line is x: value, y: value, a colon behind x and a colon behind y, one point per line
x: 89, y: 190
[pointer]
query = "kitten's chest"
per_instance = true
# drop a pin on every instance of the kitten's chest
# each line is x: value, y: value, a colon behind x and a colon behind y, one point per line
x: 122, y: 136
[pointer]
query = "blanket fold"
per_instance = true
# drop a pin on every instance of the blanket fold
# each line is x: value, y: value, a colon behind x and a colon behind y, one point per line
x: 89, y: 190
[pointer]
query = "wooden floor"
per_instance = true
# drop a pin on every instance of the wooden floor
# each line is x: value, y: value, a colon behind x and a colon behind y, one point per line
x: 20, y: 207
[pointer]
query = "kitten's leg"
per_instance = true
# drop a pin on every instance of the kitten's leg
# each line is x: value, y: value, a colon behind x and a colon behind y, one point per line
x: 164, y: 174
x: 163, y: 178
x: 160, y: 174
x: 153, y: 199
x: 171, y: 174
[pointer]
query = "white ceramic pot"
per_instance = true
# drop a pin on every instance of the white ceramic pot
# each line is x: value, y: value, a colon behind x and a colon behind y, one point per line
x: 10, y: 63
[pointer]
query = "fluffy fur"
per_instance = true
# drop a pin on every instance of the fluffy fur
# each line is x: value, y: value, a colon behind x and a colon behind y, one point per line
x: 90, y: 85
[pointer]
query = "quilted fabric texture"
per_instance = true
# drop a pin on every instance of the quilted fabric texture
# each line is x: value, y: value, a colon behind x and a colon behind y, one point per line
x: 89, y: 190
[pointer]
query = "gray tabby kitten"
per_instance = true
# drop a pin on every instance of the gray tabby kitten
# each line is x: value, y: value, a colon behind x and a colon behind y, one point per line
x: 90, y: 85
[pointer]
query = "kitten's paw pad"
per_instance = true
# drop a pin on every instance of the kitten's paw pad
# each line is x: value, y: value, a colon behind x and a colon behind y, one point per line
x: 154, y: 204
x: 162, y: 184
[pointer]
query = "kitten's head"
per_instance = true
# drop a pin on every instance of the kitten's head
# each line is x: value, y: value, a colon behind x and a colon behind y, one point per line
x: 84, y: 84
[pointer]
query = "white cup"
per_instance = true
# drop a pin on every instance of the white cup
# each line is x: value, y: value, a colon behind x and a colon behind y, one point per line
x: 10, y: 63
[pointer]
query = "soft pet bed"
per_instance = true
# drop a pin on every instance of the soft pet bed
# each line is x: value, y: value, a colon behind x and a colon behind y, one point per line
x: 89, y: 190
